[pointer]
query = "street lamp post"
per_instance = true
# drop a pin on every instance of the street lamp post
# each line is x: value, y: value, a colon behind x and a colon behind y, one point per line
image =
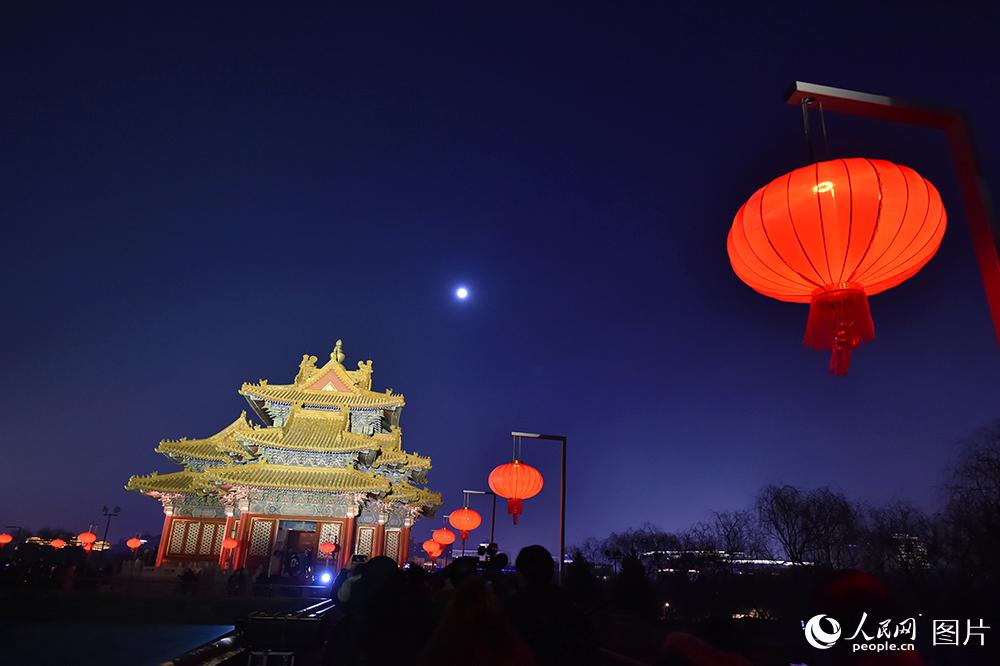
x: 107, y: 525
x: 975, y: 196
x: 562, y: 489
x: 493, y: 511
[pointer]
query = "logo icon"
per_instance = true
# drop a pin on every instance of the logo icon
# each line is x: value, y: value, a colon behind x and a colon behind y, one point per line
x: 817, y: 636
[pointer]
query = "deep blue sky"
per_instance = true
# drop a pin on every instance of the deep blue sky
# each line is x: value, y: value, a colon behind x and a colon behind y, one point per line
x: 193, y: 198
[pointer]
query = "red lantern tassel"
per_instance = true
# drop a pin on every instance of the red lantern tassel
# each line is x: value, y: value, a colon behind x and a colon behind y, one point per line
x: 514, y: 508
x: 839, y: 320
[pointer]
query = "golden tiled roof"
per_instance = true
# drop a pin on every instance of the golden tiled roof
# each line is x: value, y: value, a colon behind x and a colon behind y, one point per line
x: 404, y: 492
x: 175, y: 482
x: 266, y: 475
x: 403, y: 459
x: 218, y: 447
x: 329, y: 385
x: 289, y: 393
x: 319, y: 430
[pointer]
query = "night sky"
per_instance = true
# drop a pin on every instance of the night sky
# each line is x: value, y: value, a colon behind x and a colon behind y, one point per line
x: 193, y: 198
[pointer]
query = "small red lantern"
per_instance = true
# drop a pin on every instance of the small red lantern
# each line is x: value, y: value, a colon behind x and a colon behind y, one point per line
x: 57, y: 543
x: 432, y: 548
x: 5, y: 539
x: 327, y: 548
x: 443, y: 536
x: 134, y: 543
x: 87, y: 539
x: 831, y: 234
x: 229, y: 543
x: 516, y: 482
x: 465, y: 520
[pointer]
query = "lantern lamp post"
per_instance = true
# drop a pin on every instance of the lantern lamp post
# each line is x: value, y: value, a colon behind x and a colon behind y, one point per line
x: 109, y: 515
x: 975, y: 196
x: 493, y: 510
x: 562, y: 487
x: 465, y: 520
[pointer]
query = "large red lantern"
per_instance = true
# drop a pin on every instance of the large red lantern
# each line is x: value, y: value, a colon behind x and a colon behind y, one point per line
x: 465, y: 520
x: 134, y: 543
x: 5, y: 539
x: 327, y: 548
x: 57, y: 543
x: 443, y: 536
x: 516, y: 482
x: 432, y: 548
x: 831, y: 234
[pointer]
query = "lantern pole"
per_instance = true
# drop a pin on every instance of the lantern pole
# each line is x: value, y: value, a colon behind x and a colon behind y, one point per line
x: 975, y: 196
x: 493, y: 512
x: 451, y: 545
x: 107, y: 526
x: 562, y: 490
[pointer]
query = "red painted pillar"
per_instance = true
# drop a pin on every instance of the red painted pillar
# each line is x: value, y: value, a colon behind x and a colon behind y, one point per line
x: 227, y: 532
x: 404, y: 545
x: 347, y: 543
x: 168, y: 523
x: 243, y: 536
x: 378, y: 547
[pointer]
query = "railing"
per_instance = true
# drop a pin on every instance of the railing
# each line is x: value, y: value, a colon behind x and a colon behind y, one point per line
x: 263, y: 633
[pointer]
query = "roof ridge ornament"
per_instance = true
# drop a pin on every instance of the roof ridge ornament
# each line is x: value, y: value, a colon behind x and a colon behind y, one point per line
x: 338, y: 352
x: 307, y: 364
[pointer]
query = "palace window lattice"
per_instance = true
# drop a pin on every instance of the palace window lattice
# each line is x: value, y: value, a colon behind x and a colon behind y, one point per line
x: 260, y: 537
x: 366, y: 540
x: 191, y: 543
x: 330, y: 532
x: 392, y: 544
x: 177, y: 537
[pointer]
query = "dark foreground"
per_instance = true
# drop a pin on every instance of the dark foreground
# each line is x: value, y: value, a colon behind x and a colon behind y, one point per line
x: 147, y: 624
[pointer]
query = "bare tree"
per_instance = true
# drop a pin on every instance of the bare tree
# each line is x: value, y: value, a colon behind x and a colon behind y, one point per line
x: 972, y: 515
x: 819, y: 526
x: 780, y: 510
x: 738, y: 532
x: 898, y: 538
x: 833, y: 529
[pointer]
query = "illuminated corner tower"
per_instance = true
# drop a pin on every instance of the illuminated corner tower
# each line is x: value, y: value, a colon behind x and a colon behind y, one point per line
x: 327, y: 464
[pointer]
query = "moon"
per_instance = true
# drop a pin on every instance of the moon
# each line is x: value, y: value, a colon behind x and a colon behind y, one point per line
x: 462, y: 293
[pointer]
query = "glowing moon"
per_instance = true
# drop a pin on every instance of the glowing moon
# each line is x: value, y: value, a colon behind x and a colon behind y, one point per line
x: 461, y: 293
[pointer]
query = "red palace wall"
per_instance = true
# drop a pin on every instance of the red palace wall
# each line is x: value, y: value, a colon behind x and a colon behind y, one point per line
x: 199, y: 540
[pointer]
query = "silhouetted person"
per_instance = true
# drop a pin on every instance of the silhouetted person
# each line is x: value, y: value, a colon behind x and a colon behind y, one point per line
x: 581, y: 586
x: 544, y: 616
x: 475, y: 630
x: 187, y: 581
x: 502, y: 586
x: 237, y: 582
x: 308, y: 558
x: 372, y: 604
